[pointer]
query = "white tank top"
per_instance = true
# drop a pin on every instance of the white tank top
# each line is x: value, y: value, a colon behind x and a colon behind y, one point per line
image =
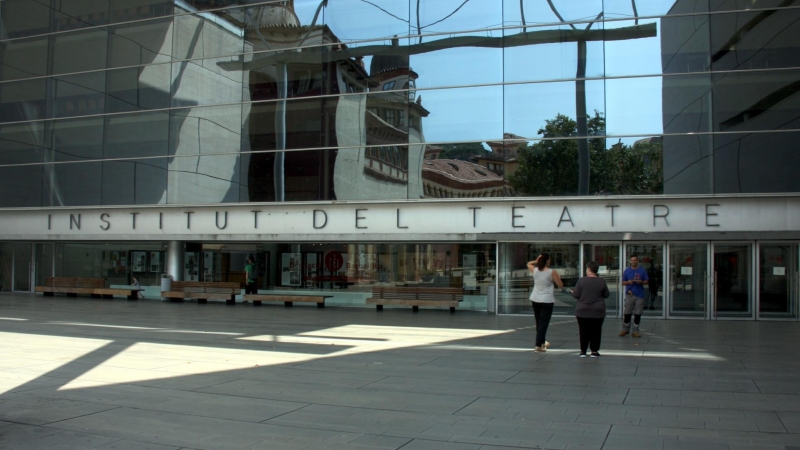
x: 542, y: 286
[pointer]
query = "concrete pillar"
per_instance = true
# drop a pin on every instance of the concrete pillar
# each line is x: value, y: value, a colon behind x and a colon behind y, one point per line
x: 175, y: 253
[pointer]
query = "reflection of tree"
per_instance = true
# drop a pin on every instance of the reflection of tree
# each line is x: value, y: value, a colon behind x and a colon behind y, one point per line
x: 464, y: 151
x: 550, y: 167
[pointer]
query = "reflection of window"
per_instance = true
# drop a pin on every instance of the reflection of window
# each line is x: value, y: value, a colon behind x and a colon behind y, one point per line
x: 389, y: 85
x: 402, y: 121
x: 389, y: 116
x: 374, y: 111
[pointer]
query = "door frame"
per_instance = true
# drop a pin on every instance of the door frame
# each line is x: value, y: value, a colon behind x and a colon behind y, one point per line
x: 794, y: 289
x: 753, y: 288
x: 707, y: 281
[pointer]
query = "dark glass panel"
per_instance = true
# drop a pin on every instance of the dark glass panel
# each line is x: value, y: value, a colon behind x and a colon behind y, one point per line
x: 80, y: 95
x: 21, y: 186
x: 756, y: 163
x: 684, y: 41
x: 755, y: 40
x: 135, y: 182
x: 21, y: 143
x: 615, y: 9
x: 24, y: 58
x: 67, y: 183
x: 23, y: 100
x: 130, y: 10
x: 756, y: 101
x: 688, y: 164
x: 75, y: 14
x: 20, y: 18
x: 80, y: 51
x: 745, y: 5
x: 73, y: 184
x: 137, y: 135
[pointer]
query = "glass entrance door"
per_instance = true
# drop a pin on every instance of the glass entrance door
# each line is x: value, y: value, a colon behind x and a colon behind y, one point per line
x: 777, y: 280
x: 23, y: 267
x: 688, y: 280
x: 651, y: 258
x: 732, y: 281
x: 608, y: 257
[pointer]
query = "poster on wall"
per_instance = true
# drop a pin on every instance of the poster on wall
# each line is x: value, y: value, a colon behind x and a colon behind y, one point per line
x: 114, y: 263
x: 290, y: 269
x: 155, y: 262
x: 138, y: 261
x: 470, y: 272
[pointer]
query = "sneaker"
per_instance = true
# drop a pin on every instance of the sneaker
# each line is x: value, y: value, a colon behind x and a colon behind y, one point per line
x: 636, y: 334
x: 583, y: 355
x: 595, y: 354
x: 546, y: 344
x: 539, y: 349
x: 624, y: 332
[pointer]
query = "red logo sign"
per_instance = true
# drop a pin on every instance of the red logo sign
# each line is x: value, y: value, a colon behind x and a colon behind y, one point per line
x: 334, y: 261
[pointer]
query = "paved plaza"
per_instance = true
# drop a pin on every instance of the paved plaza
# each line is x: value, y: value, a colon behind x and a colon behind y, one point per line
x: 98, y: 374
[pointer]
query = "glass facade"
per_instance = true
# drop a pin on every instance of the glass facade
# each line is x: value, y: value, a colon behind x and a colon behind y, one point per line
x: 134, y: 102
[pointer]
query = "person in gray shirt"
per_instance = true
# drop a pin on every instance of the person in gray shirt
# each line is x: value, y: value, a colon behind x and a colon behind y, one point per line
x: 591, y: 292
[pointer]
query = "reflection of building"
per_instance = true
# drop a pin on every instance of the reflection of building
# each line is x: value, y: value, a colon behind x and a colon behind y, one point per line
x: 451, y: 178
x: 748, y: 103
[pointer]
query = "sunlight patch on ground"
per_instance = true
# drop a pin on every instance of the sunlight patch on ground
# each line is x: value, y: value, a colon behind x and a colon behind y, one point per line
x: 155, y: 330
x: 25, y: 347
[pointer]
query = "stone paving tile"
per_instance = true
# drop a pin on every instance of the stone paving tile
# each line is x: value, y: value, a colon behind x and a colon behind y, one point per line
x: 276, y: 383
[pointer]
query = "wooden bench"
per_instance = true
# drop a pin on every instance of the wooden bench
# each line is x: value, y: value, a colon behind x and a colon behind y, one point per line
x: 72, y: 286
x: 415, y: 297
x: 203, y: 291
x: 287, y: 300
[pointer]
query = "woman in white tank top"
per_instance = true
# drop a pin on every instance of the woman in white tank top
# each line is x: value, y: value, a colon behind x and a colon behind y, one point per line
x: 542, y: 299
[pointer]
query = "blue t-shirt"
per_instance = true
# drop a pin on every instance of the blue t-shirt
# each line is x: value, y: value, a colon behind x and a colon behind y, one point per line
x: 635, y: 274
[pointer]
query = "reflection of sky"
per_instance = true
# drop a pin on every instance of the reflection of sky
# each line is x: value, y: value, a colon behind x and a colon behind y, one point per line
x: 632, y: 106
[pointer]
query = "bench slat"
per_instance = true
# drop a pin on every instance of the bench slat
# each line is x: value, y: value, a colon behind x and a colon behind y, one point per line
x: 286, y: 298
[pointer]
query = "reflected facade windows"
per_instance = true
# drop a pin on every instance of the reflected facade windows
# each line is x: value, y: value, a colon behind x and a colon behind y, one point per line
x: 302, y: 100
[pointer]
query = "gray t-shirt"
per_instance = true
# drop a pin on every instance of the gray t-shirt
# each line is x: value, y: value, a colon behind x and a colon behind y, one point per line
x: 591, y: 293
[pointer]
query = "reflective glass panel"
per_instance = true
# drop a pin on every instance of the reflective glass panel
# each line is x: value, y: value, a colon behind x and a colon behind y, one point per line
x: 607, y: 258
x: 688, y: 277
x: 777, y: 281
x: 732, y: 280
x: 24, y: 58
x: 515, y: 282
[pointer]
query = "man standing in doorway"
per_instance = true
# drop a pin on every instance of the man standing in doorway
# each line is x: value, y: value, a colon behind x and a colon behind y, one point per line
x: 633, y: 279
x: 252, y: 276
